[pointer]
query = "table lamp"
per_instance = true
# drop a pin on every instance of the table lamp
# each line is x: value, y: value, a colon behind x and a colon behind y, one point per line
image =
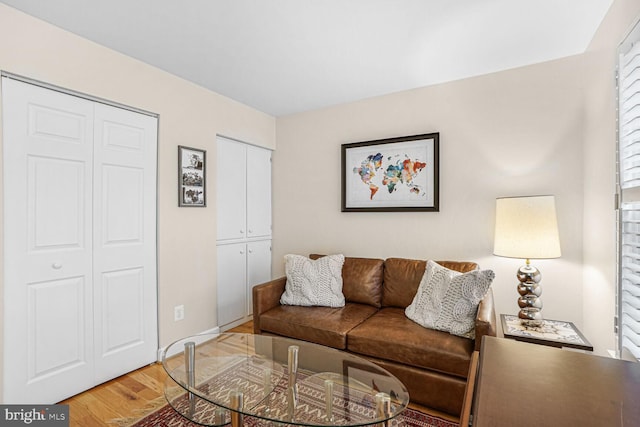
x: 526, y: 227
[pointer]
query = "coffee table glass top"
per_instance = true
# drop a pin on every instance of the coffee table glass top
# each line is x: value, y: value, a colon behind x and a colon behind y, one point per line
x: 215, y: 379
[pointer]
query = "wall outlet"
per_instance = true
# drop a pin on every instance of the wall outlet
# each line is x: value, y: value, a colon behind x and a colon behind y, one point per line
x: 178, y: 313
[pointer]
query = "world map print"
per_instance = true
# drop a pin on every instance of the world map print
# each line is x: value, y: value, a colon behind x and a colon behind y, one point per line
x: 394, y: 170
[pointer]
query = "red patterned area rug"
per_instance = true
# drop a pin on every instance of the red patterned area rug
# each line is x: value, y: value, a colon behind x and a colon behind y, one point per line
x: 168, y: 417
x: 217, y: 380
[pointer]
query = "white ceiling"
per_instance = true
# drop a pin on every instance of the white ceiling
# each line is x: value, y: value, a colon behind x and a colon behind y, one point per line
x: 287, y: 56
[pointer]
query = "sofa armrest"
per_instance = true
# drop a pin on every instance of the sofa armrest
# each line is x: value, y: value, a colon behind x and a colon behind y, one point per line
x: 265, y: 297
x: 485, y: 319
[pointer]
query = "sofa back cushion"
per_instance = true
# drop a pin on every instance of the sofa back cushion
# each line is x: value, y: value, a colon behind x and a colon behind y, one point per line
x: 362, y: 280
x: 402, y: 278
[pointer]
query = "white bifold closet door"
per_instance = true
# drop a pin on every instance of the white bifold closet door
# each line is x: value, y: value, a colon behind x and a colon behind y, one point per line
x: 80, y: 294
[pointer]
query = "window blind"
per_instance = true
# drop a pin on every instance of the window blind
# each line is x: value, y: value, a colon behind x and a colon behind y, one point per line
x: 629, y: 184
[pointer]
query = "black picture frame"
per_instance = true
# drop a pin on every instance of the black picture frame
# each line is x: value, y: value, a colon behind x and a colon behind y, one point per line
x: 192, y: 174
x: 392, y: 175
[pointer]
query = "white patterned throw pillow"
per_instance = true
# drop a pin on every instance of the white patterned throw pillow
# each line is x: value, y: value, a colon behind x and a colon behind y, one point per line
x: 313, y: 282
x: 447, y: 300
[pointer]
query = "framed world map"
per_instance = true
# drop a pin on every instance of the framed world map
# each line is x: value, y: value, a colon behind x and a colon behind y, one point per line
x: 394, y: 174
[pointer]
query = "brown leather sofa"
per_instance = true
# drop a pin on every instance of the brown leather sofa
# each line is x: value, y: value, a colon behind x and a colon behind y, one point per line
x: 432, y: 364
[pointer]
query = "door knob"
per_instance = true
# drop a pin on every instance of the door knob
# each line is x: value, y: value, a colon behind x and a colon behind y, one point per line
x: 56, y: 266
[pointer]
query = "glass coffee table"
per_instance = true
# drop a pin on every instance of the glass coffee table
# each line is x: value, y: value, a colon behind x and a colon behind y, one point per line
x: 215, y: 379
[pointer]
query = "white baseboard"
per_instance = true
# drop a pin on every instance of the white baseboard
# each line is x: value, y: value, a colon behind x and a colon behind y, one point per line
x: 198, y: 338
x: 231, y: 325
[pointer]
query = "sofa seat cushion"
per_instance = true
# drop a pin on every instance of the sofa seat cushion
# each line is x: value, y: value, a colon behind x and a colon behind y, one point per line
x: 390, y: 335
x: 321, y: 325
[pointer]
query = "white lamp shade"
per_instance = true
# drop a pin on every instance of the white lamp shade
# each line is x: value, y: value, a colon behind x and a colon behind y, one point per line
x: 526, y: 227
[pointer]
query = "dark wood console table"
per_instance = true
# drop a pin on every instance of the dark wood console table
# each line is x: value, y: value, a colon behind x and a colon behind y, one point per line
x: 523, y: 384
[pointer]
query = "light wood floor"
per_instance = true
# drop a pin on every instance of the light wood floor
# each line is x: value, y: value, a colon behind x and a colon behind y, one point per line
x: 135, y: 394
x: 127, y: 397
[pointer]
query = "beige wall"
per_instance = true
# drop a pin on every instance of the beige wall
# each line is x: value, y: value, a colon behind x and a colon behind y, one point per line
x: 189, y: 115
x: 542, y: 129
x: 517, y: 132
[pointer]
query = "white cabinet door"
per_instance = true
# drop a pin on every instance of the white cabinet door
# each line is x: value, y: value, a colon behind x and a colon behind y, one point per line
x: 232, y: 282
x: 79, y: 244
x: 231, y: 187
x: 243, y: 179
x: 258, y: 192
x: 243, y: 183
x: 258, y: 268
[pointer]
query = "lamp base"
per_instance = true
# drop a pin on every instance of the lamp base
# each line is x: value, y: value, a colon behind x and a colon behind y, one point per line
x: 530, y: 318
x: 530, y: 290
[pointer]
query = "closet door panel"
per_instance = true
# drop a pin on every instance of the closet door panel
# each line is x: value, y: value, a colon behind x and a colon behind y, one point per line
x: 55, y: 212
x: 48, y: 323
x: 122, y: 310
x: 125, y: 240
x: 57, y: 343
x: 123, y: 198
